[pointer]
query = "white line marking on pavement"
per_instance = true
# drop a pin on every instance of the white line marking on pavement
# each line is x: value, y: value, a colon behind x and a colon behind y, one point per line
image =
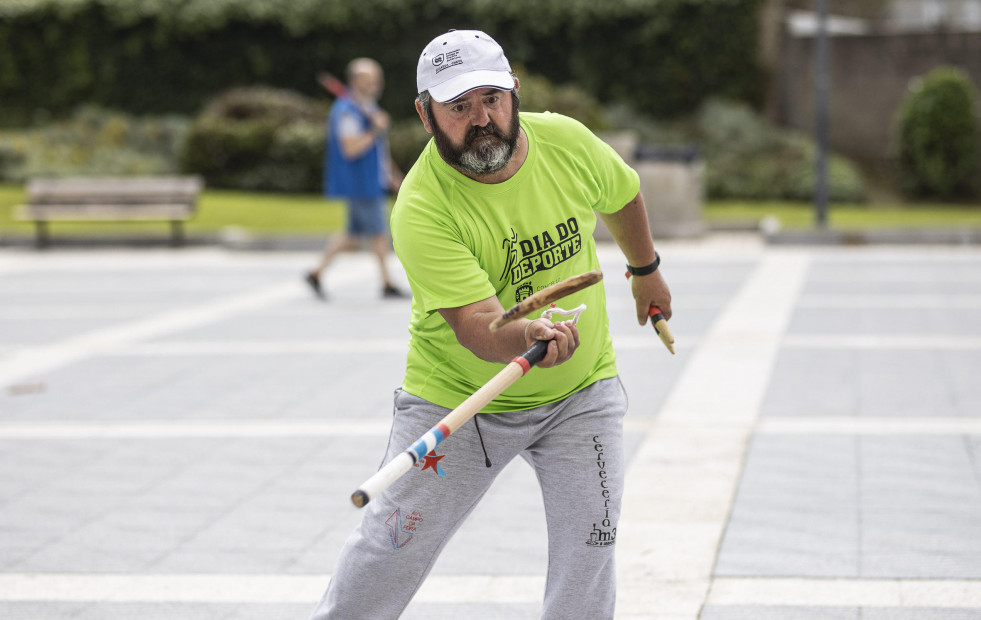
x: 224, y: 588
x: 258, y: 347
x: 252, y: 588
x: 211, y: 428
x: 868, y: 426
x: 681, y: 483
x: 923, y: 593
x: 168, y: 429
x: 888, y: 302
x: 882, y: 342
x: 53, y: 312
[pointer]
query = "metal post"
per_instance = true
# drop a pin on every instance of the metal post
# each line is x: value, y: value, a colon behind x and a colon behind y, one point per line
x: 821, y: 115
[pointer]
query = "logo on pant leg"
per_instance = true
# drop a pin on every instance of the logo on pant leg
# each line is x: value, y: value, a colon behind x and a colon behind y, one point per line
x: 602, y: 538
x: 603, y: 534
x: 431, y: 461
x: 402, y: 529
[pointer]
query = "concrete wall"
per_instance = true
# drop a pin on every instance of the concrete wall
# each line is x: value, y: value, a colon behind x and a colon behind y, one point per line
x: 870, y: 75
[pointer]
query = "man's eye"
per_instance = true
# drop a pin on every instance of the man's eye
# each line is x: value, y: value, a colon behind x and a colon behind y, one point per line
x: 458, y: 108
x: 492, y: 99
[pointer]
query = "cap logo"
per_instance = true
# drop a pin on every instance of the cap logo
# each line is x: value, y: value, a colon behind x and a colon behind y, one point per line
x: 447, y: 60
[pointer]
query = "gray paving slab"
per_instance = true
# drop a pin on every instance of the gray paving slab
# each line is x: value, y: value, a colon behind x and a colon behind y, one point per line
x: 949, y: 272
x: 870, y: 506
x: 875, y: 383
x: 936, y: 322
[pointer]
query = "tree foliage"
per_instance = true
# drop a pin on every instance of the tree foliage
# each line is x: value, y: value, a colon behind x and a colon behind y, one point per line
x: 160, y: 56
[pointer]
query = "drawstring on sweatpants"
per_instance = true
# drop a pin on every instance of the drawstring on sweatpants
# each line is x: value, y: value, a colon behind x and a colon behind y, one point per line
x: 487, y: 461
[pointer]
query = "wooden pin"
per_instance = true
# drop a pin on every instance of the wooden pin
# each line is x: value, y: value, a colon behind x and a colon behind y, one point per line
x: 661, y: 328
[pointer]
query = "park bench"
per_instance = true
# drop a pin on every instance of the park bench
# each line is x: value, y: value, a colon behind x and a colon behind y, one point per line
x: 164, y: 199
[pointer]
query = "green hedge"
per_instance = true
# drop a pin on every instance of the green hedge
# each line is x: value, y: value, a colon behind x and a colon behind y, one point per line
x: 171, y: 56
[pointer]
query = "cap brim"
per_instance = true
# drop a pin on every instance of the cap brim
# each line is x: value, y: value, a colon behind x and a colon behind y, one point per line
x: 454, y: 87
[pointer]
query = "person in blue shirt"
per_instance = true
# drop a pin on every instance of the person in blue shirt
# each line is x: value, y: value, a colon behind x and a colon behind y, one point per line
x: 358, y: 170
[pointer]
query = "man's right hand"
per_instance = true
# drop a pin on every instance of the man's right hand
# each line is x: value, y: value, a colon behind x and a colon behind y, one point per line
x: 380, y: 121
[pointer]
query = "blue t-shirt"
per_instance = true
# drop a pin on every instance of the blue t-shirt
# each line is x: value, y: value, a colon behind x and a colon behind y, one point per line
x: 361, y: 177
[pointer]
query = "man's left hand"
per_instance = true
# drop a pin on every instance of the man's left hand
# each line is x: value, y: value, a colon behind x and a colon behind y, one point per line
x: 650, y: 290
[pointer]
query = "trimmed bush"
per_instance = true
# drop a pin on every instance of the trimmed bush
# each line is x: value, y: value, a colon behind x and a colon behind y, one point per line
x: 938, y: 145
x: 745, y: 157
x: 259, y: 138
x: 749, y: 159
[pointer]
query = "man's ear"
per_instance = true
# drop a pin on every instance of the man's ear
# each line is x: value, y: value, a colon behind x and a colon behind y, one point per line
x: 517, y: 84
x: 422, y: 116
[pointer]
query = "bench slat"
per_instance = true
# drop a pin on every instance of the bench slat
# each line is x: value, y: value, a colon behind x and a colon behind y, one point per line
x: 108, y: 212
x: 113, y: 189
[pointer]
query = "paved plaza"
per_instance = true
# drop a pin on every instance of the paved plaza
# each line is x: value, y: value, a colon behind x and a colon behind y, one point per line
x: 181, y: 429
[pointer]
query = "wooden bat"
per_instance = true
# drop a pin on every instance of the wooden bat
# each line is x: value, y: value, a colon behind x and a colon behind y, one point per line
x: 331, y: 84
x: 516, y: 369
x: 546, y: 296
x: 404, y: 461
x: 339, y: 89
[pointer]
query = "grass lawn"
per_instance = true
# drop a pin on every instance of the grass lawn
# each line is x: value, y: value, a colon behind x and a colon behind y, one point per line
x: 311, y: 214
x: 800, y: 215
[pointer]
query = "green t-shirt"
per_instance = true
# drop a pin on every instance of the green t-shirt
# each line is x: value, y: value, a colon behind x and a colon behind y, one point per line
x: 461, y: 241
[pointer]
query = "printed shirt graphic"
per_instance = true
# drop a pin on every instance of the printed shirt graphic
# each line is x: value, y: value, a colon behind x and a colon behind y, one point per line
x: 461, y: 241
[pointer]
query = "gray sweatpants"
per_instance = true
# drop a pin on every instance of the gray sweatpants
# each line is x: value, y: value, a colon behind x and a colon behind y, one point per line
x: 576, y: 449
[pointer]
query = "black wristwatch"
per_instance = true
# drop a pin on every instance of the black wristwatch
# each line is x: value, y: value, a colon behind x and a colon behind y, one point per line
x: 643, y: 271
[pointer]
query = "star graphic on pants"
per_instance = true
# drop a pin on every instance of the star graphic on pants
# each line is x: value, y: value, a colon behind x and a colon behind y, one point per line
x: 432, y: 462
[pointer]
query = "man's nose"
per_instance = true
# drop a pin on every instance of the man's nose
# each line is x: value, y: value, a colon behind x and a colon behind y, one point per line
x: 479, y: 115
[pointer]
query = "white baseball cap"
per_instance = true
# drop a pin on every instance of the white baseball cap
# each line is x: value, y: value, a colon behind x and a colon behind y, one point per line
x: 460, y: 61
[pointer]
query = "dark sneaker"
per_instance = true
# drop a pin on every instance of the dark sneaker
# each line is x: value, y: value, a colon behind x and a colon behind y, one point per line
x: 314, y: 282
x: 390, y: 292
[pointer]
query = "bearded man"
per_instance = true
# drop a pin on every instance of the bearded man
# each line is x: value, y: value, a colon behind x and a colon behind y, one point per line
x: 499, y: 205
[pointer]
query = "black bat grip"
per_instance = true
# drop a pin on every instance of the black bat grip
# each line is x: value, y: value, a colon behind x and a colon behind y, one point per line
x: 536, y: 352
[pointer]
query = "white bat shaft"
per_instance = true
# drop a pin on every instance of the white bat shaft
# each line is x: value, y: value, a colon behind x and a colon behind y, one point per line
x: 384, y: 477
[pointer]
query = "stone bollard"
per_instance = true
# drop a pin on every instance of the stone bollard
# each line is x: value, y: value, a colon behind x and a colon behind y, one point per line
x: 672, y: 183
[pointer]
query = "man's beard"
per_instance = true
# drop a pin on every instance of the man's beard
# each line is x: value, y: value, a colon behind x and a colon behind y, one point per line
x: 485, y: 150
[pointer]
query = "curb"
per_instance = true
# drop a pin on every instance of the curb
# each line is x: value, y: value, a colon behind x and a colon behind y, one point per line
x: 925, y: 236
